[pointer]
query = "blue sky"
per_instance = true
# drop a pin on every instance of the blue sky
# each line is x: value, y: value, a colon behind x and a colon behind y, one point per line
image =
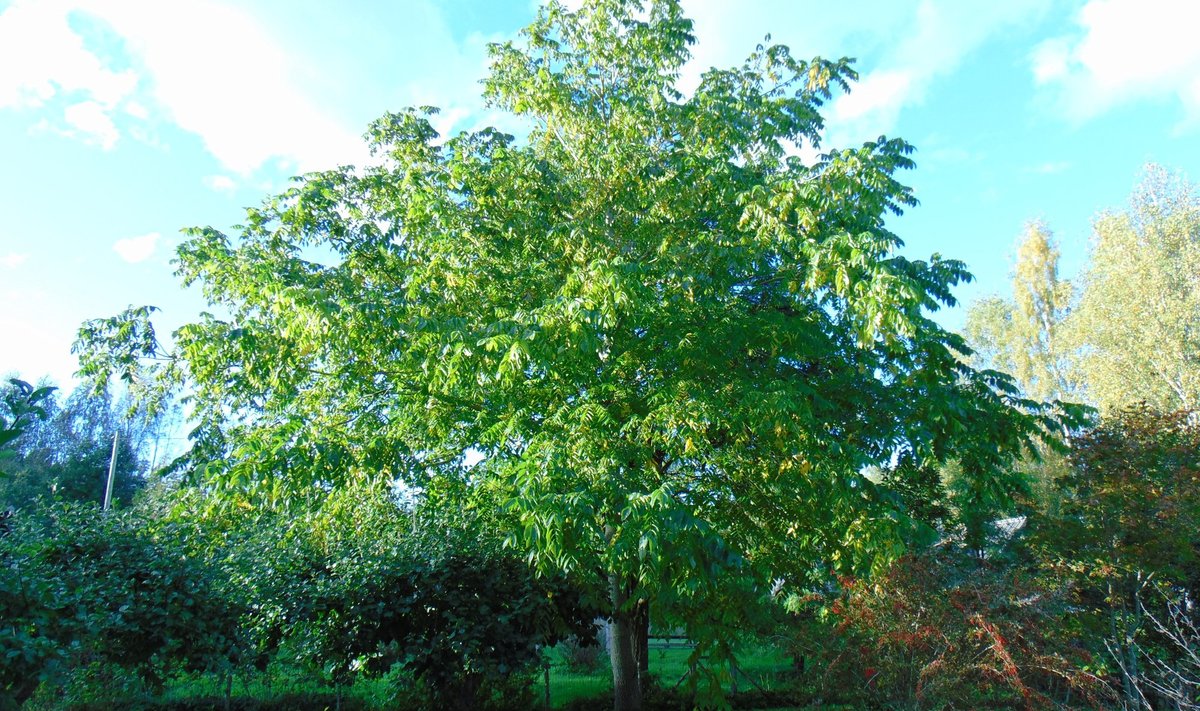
x: 123, y: 121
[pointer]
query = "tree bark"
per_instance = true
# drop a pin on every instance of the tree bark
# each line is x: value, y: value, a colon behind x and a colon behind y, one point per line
x: 622, y: 641
x: 642, y: 649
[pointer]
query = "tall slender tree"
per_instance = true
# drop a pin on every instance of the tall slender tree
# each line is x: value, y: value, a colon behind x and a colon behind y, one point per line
x: 675, y: 345
x: 1023, y: 335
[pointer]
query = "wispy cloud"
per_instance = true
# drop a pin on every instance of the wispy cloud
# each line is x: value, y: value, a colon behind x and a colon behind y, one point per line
x: 92, y: 122
x: 220, y: 183
x: 137, y: 249
x: 1123, y: 50
x: 904, y: 47
x: 45, y: 60
x: 879, y: 96
x: 256, y: 91
x: 12, y: 260
x: 932, y: 44
x: 245, y: 101
x: 43, y: 57
x: 239, y: 94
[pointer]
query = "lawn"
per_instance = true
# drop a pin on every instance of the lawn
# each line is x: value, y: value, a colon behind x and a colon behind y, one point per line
x: 760, y: 667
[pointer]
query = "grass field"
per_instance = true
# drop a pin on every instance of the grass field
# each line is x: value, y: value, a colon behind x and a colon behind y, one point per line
x: 761, y: 669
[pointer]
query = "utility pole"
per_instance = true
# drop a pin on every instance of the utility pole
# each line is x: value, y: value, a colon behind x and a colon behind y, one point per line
x: 112, y: 472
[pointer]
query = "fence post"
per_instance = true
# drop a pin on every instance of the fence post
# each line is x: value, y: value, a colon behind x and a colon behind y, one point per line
x: 112, y: 472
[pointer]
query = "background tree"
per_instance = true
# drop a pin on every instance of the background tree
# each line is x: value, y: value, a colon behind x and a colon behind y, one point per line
x: 1137, y: 324
x: 1022, y: 335
x: 1025, y: 336
x: 675, y: 345
x: 21, y: 407
x: 66, y: 454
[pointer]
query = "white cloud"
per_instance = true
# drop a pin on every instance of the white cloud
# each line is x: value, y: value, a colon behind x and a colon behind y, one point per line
x: 1051, y: 60
x: 879, y: 93
x: 935, y: 41
x: 220, y: 183
x: 256, y: 87
x: 137, y: 110
x: 210, y: 68
x: 1124, y: 50
x: 220, y: 74
x: 902, y: 48
x: 43, y: 57
x: 137, y: 249
x: 93, y: 123
x: 12, y: 260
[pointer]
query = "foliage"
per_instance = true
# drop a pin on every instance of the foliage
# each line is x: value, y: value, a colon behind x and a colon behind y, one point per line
x: 675, y: 344
x: 1137, y: 324
x: 359, y: 585
x: 1129, y: 530
x: 21, y: 405
x: 456, y: 623
x: 30, y: 654
x: 1133, y: 497
x: 66, y: 454
x: 942, y: 630
x: 89, y: 587
x: 1023, y: 335
x: 312, y: 701
x: 920, y: 487
x: 25, y: 649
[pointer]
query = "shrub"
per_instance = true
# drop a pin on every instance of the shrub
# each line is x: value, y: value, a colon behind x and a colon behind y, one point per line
x: 582, y: 656
x: 110, y: 589
x: 945, y: 630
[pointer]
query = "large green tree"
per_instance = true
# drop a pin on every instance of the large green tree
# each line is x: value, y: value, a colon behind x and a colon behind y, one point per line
x: 674, y: 344
x: 1137, y: 324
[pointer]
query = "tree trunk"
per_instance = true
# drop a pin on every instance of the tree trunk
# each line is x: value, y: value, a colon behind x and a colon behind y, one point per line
x: 641, y: 621
x: 622, y: 641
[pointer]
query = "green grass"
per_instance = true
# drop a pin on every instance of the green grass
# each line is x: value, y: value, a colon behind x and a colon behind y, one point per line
x: 764, y: 666
x: 373, y: 693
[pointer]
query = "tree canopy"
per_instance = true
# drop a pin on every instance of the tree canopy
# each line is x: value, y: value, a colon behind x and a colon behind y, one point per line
x: 1024, y: 335
x: 1125, y: 331
x: 674, y: 343
x: 65, y: 454
x: 1138, y: 316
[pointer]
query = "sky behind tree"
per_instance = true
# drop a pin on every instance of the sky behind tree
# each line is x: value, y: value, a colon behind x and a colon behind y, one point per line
x: 123, y: 121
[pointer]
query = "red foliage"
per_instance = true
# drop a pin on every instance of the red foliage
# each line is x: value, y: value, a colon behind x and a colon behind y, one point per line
x: 946, y: 632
